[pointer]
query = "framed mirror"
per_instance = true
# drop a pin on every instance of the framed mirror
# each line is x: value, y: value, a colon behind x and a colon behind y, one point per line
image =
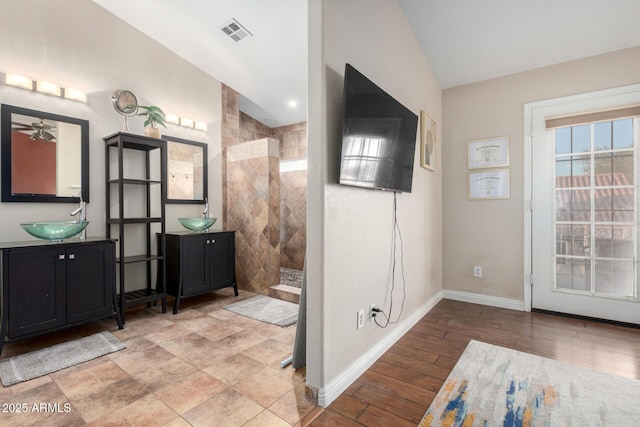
x: 45, y: 156
x: 186, y: 170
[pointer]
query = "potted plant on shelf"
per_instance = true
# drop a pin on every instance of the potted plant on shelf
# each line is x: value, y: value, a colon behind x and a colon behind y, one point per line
x: 154, y: 117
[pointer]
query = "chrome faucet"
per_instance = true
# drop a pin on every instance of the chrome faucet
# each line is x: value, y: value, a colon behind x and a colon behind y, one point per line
x: 83, y: 216
x: 206, y: 208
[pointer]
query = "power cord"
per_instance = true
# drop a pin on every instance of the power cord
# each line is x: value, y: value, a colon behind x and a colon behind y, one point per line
x: 397, y: 234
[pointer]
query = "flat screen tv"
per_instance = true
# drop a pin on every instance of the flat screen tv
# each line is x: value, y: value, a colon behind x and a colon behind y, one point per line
x: 378, y: 137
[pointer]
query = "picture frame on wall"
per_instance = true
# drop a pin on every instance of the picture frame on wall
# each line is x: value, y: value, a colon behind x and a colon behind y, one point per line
x: 488, y: 153
x: 489, y: 185
x: 428, y: 141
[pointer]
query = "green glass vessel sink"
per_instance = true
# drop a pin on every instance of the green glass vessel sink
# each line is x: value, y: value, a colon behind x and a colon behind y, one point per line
x: 55, y: 231
x: 197, y: 224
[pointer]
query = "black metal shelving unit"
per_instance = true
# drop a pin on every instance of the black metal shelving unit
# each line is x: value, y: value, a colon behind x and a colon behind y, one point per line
x: 119, y: 143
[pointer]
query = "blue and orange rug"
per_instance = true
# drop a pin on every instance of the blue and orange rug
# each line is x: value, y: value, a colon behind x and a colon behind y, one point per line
x: 495, y: 386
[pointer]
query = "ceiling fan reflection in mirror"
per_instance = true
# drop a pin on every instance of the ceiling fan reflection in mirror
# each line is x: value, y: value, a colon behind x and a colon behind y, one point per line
x: 41, y: 130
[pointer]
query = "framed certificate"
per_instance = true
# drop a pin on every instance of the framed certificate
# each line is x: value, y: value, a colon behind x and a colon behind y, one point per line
x: 489, y: 185
x: 488, y: 153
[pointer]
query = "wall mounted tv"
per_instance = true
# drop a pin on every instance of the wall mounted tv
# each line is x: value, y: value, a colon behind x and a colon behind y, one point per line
x: 378, y: 137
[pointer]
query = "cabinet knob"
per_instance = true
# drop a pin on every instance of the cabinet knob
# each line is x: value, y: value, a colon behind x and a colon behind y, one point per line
x: 213, y: 241
x: 61, y: 256
x: 72, y: 256
x: 208, y: 241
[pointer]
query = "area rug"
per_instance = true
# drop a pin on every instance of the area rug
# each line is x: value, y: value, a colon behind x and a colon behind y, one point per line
x: 495, y: 386
x: 51, y: 359
x: 267, y: 309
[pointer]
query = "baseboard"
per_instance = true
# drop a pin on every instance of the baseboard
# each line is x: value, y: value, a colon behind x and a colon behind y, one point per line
x: 335, y: 388
x: 511, y: 304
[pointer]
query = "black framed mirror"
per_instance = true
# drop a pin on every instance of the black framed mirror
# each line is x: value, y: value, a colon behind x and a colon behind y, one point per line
x: 186, y: 170
x: 45, y: 156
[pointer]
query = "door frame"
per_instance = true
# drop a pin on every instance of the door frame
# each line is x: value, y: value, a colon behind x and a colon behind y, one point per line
x: 528, y: 169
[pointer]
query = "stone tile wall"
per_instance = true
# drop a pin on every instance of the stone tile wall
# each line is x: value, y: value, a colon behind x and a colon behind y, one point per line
x: 261, y: 247
x: 253, y: 210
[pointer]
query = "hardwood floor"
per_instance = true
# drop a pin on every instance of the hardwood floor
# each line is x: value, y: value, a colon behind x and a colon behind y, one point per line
x: 399, y: 387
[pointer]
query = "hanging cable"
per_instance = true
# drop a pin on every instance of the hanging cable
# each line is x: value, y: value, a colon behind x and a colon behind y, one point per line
x: 397, y: 236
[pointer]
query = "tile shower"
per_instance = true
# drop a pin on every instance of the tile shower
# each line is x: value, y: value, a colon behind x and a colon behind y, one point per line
x: 264, y: 195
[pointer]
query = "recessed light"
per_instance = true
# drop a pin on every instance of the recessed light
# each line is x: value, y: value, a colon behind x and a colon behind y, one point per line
x: 293, y: 103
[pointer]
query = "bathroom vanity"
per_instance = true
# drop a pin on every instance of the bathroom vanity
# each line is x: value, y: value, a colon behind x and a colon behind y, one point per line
x: 198, y: 263
x: 49, y: 286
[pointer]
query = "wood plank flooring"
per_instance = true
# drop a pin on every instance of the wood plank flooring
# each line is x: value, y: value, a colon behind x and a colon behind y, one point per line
x: 399, y: 387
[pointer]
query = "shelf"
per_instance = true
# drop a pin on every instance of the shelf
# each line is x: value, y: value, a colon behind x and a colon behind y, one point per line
x: 139, y: 258
x: 133, y: 220
x: 134, y: 181
x: 134, y: 142
x: 141, y: 296
x: 151, y: 208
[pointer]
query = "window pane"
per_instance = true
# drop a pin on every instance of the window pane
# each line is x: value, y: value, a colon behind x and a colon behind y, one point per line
x: 563, y: 140
x: 623, y: 133
x: 602, y: 136
x: 603, y: 165
x: 573, y: 205
x: 603, y: 205
x: 614, y: 277
x: 623, y: 205
x: 573, y: 274
x: 623, y: 168
x: 571, y: 239
x: 614, y: 241
x: 580, y: 139
x: 580, y: 171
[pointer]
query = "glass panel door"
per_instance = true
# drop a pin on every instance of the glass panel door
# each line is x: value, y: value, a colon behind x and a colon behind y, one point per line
x: 594, y: 210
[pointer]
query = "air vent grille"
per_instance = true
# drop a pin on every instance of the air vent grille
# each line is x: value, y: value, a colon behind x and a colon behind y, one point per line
x: 235, y: 30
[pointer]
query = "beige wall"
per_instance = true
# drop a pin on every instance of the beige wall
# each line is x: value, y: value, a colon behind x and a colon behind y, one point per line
x: 78, y: 44
x: 491, y: 233
x: 349, y: 229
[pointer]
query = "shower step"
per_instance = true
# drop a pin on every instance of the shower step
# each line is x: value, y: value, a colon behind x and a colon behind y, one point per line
x: 285, y: 293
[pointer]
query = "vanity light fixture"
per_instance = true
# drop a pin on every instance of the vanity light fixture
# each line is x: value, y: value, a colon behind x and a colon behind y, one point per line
x: 201, y: 126
x: 75, y: 94
x: 185, y: 122
x: 172, y: 118
x: 43, y: 86
x: 18, y: 80
x: 49, y: 88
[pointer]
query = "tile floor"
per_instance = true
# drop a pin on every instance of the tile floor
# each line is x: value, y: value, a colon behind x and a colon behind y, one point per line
x: 205, y: 366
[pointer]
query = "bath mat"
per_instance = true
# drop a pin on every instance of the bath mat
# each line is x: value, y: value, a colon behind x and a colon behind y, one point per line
x: 495, y: 386
x: 51, y: 359
x: 267, y: 309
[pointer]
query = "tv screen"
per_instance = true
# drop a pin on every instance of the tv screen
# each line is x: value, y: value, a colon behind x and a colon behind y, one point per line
x: 378, y: 137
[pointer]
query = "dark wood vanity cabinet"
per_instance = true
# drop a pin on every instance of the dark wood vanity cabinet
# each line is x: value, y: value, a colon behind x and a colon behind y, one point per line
x: 198, y: 263
x: 50, y: 286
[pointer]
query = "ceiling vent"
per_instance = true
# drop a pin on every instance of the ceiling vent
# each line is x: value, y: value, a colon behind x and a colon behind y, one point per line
x: 235, y: 30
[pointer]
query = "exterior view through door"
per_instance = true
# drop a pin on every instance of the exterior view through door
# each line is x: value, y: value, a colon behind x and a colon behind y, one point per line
x: 584, y: 163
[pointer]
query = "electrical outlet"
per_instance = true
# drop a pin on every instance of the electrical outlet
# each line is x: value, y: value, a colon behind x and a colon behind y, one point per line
x: 372, y: 314
x: 477, y: 271
x: 360, y: 319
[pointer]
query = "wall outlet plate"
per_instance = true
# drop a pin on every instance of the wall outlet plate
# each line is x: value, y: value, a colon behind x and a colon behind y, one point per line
x: 360, y: 319
x: 477, y: 271
x: 371, y: 312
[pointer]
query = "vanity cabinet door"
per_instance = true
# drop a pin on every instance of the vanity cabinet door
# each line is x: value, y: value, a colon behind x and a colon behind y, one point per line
x: 221, y: 260
x: 194, y: 261
x: 36, y: 288
x: 90, y: 281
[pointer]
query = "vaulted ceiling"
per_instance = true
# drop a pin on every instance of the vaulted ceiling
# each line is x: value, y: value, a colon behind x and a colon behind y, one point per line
x: 464, y: 40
